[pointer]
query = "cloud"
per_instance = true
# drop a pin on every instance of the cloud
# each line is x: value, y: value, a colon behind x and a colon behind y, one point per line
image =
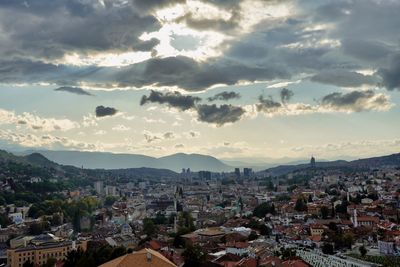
x: 343, y: 78
x: 224, y: 96
x: 286, y: 95
x: 192, y: 134
x: 74, y: 90
x: 267, y: 105
x: 151, y: 138
x: 356, y: 101
x: 73, y: 26
x: 36, y: 122
x: 172, y: 99
x: 156, y: 4
x: 391, y: 75
x: 169, y: 135
x: 188, y: 74
x: 46, y: 141
x: 157, y: 137
x: 120, y: 128
x: 219, y: 115
x: 214, y: 24
x: 102, y: 111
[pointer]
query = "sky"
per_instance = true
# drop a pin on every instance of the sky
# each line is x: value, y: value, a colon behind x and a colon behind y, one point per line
x: 235, y: 79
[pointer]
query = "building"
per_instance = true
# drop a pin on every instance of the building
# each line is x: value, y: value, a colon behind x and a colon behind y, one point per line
x: 16, y: 217
x: 142, y: 258
x: 205, y: 175
x: 247, y: 172
x: 387, y: 246
x: 316, y: 230
x: 99, y: 187
x: 40, y: 249
x: 237, y: 172
x: 111, y: 190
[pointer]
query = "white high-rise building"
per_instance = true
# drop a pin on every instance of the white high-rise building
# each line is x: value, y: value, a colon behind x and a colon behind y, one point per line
x: 111, y: 190
x: 99, y: 187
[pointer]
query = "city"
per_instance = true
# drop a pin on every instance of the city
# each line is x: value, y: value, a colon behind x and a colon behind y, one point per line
x: 312, y: 214
x: 199, y: 133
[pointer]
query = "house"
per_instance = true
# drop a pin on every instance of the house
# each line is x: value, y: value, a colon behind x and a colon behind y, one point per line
x: 142, y: 258
x: 317, y: 229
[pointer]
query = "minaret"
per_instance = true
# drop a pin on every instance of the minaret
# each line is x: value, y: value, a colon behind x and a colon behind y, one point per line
x: 355, y: 221
x: 175, y: 224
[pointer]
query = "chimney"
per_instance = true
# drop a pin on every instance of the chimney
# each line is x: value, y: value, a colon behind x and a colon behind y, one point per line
x: 148, y: 256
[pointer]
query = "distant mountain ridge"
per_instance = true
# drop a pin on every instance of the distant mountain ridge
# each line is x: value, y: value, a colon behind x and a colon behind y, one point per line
x: 105, y: 160
x: 48, y: 167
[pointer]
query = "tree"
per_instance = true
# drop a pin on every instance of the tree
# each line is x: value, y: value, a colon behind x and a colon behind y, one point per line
x: 287, y: 253
x: 327, y: 248
x: 160, y: 219
x: 263, y: 209
x: 56, y: 219
x: 185, y: 221
x: 73, y: 257
x: 109, y: 201
x: 300, y: 205
x: 324, y: 212
x: 28, y: 263
x: 149, y: 228
x: 39, y: 228
x: 363, y: 251
x: 50, y: 262
x: 194, y: 256
x: 253, y: 236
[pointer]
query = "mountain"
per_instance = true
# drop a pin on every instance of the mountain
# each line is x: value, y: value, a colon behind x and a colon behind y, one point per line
x: 367, y: 163
x: 35, y: 164
x: 104, y: 160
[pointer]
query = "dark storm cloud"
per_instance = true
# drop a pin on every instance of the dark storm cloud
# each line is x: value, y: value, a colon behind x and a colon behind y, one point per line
x: 191, y: 75
x: 343, y: 78
x: 156, y: 4
x: 391, y: 76
x: 355, y: 101
x: 286, y: 95
x: 102, y: 111
x: 365, y: 49
x: 171, y: 99
x: 224, y: 96
x: 72, y: 26
x: 267, y: 104
x: 219, y: 115
x: 179, y: 71
x: 74, y: 90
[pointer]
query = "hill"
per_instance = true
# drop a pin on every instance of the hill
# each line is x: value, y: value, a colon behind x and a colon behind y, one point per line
x: 104, y: 160
x: 36, y: 164
x: 367, y: 163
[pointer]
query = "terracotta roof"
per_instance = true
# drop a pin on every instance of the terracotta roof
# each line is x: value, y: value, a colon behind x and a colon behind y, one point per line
x: 154, y: 245
x: 295, y: 263
x: 142, y: 258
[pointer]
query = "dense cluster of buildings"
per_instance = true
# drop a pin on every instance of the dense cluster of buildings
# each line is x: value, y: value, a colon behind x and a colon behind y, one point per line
x: 303, y: 218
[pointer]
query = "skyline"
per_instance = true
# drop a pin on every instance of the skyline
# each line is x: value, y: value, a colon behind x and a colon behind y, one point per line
x: 231, y: 79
